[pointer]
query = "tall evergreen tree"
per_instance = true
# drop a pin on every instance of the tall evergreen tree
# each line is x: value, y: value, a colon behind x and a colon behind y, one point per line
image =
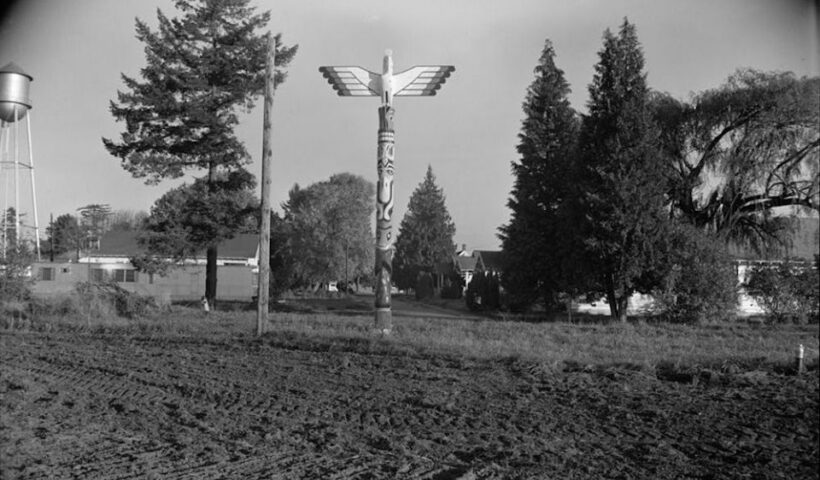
x: 622, y: 177
x: 201, y: 68
x: 426, y: 233
x: 532, y: 241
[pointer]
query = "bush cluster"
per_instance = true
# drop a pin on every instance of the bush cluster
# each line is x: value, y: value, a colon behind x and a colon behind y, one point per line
x: 787, y: 291
x: 483, y: 292
x: 15, y: 273
x: 701, y: 282
x: 97, y: 300
x: 453, y: 287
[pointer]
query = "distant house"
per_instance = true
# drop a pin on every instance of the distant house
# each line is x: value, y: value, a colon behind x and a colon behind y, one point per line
x: 237, y: 269
x: 464, y: 267
x: 465, y: 264
x: 489, y: 261
x: 802, y: 246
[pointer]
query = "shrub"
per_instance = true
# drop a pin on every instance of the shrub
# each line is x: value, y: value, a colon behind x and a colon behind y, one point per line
x: 787, y: 291
x: 15, y: 273
x: 108, y: 298
x: 483, y: 292
x: 701, y: 282
x: 454, y: 287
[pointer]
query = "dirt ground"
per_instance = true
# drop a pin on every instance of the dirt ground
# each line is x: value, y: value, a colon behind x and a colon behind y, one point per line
x: 110, y: 407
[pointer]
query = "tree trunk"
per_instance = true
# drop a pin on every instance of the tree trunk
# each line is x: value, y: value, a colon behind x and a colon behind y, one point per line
x: 612, y: 300
x: 617, y: 304
x: 211, y: 254
x: 210, y: 276
x: 623, y: 303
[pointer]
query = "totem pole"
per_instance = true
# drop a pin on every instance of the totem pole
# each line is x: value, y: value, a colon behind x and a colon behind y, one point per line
x: 419, y: 81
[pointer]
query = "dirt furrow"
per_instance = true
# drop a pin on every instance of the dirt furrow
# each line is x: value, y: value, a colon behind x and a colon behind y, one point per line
x: 101, y: 406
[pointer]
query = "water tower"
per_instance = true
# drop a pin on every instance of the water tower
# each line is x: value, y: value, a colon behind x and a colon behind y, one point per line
x: 15, y: 158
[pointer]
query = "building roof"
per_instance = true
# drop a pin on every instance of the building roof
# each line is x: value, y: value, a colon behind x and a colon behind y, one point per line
x: 465, y: 264
x: 803, y: 243
x: 243, y: 246
x: 124, y: 244
x: 490, y: 260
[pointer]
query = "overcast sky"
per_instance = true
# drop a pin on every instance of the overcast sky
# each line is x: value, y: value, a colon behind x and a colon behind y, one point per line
x: 76, y: 50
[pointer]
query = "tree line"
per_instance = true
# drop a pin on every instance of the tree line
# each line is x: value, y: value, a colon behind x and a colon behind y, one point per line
x: 644, y: 192
x: 641, y: 193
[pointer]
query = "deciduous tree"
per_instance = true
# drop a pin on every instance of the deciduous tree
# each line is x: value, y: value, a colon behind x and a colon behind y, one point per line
x: 329, y: 229
x: 93, y: 223
x: 126, y: 220
x: 740, y: 151
x: 202, y: 67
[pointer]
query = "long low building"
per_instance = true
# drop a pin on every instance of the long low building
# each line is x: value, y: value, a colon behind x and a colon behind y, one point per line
x: 237, y: 270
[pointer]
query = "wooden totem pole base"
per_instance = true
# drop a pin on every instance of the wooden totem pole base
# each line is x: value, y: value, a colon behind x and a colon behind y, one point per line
x: 384, y: 321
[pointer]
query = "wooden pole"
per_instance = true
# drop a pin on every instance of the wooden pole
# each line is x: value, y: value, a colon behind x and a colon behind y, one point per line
x: 264, y: 229
x: 384, y: 227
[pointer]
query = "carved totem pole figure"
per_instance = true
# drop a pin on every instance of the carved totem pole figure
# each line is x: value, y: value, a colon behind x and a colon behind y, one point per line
x: 419, y: 81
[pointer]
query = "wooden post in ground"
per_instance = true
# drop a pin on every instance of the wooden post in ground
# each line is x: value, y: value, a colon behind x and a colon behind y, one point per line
x: 384, y: 226
x: 264, y: 229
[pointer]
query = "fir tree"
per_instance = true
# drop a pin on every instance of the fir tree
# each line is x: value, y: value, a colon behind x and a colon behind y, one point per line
x: 624, y: 222
x: 201, y: 68
x: 532, y: 241
x: 425, y: 235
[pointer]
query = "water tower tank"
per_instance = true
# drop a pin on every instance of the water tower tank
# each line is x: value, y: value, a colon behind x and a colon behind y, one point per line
x: 14, y: 101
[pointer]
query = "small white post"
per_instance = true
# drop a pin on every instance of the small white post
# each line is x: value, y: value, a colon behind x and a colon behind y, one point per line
x: 799, y: 360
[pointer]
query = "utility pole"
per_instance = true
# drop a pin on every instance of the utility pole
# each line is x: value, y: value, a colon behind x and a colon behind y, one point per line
x: 264, y: 228
x: 419, y: 81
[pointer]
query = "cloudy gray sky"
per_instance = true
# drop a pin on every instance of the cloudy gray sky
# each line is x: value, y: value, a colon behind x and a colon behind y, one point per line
x: 75, y: 50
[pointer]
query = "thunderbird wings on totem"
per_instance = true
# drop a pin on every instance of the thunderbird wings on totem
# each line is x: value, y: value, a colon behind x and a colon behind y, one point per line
x: 418, y: 81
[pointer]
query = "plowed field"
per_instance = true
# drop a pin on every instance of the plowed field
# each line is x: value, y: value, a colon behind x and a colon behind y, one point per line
x: 109, y: 406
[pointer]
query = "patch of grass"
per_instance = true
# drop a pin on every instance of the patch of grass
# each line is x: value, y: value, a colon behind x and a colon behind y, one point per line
x: 643, y: 345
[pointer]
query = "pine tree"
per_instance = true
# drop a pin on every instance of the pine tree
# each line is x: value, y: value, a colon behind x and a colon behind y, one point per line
x: 425, y: 235
x: 622, y: 177
x: 532, y: 241
x: 201, y: 68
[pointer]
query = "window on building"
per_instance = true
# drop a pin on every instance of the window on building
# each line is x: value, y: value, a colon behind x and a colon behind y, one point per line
x: 125, y: 276
x: 46, y: 274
